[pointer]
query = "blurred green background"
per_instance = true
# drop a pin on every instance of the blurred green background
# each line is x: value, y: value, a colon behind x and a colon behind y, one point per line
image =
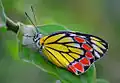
x: 97, y: 17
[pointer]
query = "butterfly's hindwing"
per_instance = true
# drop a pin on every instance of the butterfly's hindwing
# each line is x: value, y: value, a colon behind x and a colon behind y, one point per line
x: 74, y: 51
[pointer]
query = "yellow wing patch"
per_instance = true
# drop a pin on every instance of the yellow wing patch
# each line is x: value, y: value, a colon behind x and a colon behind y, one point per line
x: 76, y: 50
x: 58, y: 58
x: 73, y: 44
x: 66, y: 39
x: 51, y: 58
x: 69, y: 58
x: 76, y: 56
x: 53, y: 38
x: 93, y: 38
x: 58, y: 47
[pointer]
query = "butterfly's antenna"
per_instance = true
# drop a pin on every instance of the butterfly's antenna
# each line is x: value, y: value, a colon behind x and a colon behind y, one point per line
x: 31, y: 21
x: 35, y: 19
x: 34, y: 14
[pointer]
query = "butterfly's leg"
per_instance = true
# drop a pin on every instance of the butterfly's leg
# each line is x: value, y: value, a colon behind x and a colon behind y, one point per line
x: 27, y: 36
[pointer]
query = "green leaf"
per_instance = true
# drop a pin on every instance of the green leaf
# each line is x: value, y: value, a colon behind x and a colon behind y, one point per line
x: 34, y: 57
x: 102, y: 81
x: 48, y: 29
x: 12, y: 47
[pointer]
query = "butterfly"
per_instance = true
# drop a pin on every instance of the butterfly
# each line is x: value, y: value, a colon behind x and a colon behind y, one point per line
x: 73, y: 51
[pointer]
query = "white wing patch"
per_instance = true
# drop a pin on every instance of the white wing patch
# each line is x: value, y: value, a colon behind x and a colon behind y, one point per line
x: 96, y: 54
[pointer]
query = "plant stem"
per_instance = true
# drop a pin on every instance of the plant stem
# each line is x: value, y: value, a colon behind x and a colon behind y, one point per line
x: 11, y: 25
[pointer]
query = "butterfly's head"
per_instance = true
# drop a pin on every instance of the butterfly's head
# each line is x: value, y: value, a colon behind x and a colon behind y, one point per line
x: 37, y: 38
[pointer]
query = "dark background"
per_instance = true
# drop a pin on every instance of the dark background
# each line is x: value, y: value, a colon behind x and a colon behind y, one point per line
x: 98, y: 17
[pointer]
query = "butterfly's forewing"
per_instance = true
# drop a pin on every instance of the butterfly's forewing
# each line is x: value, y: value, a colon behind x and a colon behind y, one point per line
x: 73, y: 51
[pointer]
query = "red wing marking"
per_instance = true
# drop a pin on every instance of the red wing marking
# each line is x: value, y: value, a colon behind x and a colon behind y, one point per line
x: 89, y: 55
x: 80, y: 40
x: 78, y: 66
x: 86, y: 47
x: 71, y: 68
x: 85, y: 61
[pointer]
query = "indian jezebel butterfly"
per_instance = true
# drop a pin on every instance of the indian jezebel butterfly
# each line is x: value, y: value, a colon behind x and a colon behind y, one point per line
x: 73, y: 51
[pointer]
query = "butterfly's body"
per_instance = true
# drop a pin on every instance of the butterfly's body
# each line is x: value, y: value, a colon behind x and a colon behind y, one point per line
x: 71, y: 50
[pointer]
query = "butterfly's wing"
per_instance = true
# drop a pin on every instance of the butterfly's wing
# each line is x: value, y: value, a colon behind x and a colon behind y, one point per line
x: 73, y: 51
